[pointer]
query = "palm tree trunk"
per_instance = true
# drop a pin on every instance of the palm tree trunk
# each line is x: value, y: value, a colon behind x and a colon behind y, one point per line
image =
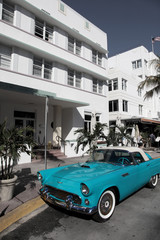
x: 9, y: 167
x: 2, y: 167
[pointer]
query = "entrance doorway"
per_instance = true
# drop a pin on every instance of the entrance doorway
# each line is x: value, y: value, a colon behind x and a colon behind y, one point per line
x: 25, y: 119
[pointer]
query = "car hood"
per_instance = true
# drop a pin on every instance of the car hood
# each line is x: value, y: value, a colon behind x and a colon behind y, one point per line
x: 85, y: 171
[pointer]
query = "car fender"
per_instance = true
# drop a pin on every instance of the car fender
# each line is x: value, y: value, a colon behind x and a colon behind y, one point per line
x: 100, y: 187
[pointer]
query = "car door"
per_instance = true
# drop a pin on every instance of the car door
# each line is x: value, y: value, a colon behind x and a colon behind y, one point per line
x: 143, y: 170
x: 127, y: 181
x: 127, y: 175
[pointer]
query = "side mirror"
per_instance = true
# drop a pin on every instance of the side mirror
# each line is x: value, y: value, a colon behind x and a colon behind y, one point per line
x: 138, y: 161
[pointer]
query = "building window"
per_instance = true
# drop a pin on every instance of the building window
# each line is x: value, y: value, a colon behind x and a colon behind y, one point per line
x: 113, y: 106
x: 87, y: 25
x: 99, y: 59
x: 87, y: 122
x: 100, y: 87
x: 5, y: 56
x: 97, y: 117
x: 97, y: 86
x: 145, y: 63
x: 62, y: 7
x: 125, y: 106
x: 71, y: 44
x: 8, y: 12
x: 124, y: 84
x: 139, y: 92
x: 113, y: 84
x: 96, y: 57
x: 49, y: 33
x: 39, y: 28
x: 42, y: 68
x: 44, y: 31
x: 47, y: 70
x: 37, y: 67
x: 110, y: 85
x: 74, y: 78
x: 74, y: 46
x: 71, y: 77
x: 25, y: 119
x: 78, y: 47
x: 137, y: 64
x: 140, y: 109
x: 78, y: 79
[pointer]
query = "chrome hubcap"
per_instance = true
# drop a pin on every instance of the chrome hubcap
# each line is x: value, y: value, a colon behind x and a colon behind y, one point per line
x: 106, y: 204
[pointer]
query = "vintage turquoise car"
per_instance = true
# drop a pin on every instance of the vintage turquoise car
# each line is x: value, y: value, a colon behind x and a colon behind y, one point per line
x: 95, y: 186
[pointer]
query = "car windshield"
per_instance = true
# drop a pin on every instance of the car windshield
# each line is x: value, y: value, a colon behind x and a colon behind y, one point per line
x: 112, y: 156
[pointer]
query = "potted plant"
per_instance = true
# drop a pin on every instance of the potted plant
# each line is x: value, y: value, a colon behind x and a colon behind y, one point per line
x: 13, y: 142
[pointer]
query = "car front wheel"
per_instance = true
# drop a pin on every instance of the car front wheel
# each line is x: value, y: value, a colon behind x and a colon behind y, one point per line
x: 153, y: 181
x: 106, y: 206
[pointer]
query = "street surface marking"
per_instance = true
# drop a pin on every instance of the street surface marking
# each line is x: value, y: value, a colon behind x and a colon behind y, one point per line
x: 21, y: 211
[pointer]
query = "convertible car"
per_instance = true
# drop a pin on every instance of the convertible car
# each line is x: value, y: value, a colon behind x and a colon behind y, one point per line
x: 95, y: 186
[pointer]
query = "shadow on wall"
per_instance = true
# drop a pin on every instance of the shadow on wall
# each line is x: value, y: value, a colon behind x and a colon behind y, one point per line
x: 71, y: 119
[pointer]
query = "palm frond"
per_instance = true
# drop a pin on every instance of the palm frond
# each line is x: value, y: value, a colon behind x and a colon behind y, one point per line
x: 156, y: 63
x: 152, y: 82
x: 150, y: 93
x: 86, y: 138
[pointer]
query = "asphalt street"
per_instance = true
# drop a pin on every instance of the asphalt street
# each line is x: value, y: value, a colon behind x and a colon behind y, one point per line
x: 136, y: 218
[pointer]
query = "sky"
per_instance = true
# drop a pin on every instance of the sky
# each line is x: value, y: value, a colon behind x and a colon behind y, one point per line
x: 128, y: 23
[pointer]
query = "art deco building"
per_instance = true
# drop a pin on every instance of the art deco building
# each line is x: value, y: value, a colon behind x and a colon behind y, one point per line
x: 126, y: 101
x: 52, y: 60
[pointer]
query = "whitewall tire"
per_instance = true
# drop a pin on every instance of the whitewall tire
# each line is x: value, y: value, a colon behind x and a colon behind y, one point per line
x: 153, y: 181
x: 106, y: 206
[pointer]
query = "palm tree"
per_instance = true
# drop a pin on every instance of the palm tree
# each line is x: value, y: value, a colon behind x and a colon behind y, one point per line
x: 86, y: 138
x: 157, y: 130
x: 12, y: 143
x: 152, y: 82
x: 122, y: 134
x: 112, y: 138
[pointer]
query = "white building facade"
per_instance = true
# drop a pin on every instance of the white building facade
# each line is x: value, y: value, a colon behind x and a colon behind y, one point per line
x: 51, y: 57
x: 126, y: 101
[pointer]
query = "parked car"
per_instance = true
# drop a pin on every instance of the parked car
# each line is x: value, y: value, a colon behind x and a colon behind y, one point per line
x: 95, y: 186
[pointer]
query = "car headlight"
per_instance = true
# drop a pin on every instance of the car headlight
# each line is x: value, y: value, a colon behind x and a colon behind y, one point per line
x: 84, y: 189
x: 39, y: 176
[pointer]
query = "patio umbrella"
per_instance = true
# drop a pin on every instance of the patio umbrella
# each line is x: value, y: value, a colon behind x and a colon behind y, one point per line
x: 133, y: 132
x: 137, y: 134
x: 133, y: 135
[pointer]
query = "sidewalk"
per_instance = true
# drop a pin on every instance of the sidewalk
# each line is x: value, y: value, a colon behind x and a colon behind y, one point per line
x: 26, y: 198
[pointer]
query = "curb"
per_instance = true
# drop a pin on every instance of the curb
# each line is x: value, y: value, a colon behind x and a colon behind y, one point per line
x: 20, y: 212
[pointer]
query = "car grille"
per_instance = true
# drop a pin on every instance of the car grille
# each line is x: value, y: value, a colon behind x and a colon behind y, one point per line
x: 60, y: 194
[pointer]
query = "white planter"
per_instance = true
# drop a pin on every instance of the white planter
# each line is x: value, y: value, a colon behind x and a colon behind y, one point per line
x: 7, y: 189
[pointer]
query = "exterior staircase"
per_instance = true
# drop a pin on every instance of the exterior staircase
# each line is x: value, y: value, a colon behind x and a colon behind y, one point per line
x: 52, y: 154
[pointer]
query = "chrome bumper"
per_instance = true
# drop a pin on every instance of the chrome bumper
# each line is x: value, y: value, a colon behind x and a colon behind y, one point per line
x: 68, y: 204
